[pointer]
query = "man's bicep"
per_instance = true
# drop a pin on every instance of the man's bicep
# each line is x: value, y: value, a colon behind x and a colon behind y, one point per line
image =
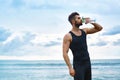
x: 90, y: 30
x: 66, y: 43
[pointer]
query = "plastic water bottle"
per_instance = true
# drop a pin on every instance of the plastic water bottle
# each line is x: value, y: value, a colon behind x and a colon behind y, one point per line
x: 88, y: 20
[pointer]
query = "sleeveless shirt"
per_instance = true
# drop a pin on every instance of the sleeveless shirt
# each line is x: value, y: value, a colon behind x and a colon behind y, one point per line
x: 78, y: 47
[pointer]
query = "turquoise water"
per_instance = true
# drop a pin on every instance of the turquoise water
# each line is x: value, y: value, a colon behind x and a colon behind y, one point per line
x: 55, y: 70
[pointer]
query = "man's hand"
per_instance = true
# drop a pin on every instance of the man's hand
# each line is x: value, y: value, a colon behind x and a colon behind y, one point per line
x: 72, y: 72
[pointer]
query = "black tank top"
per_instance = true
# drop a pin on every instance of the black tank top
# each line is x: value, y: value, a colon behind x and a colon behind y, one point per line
x: 78, y: 47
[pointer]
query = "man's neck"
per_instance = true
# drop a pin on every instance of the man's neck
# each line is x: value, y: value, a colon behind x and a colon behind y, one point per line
x: 75, y: 28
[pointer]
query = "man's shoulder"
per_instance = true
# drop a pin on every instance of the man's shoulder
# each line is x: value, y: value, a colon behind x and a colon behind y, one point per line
x: 67, y: 36
x: 84, y: 29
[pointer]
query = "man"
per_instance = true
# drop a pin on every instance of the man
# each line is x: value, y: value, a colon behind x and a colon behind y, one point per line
x: 76, y: 41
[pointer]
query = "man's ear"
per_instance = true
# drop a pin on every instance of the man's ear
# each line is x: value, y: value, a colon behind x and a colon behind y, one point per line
x: 73, y: 21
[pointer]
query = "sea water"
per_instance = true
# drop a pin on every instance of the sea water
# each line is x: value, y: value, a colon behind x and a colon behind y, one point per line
x: 107, y: 69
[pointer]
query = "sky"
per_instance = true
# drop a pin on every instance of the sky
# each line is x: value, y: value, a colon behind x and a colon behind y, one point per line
x: 34, y: 29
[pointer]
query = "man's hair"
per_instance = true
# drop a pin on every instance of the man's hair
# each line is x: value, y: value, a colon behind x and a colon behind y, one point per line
x: 72, y: 16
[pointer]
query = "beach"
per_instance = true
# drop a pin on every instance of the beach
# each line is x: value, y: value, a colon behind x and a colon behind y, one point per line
x: 105, y: 69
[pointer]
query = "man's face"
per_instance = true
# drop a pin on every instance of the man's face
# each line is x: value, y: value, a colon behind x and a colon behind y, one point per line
x: 78, y: 21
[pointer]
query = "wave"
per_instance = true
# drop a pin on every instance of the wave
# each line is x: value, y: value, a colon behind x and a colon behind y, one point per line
x: 56, y: 63
x: 105, y: 64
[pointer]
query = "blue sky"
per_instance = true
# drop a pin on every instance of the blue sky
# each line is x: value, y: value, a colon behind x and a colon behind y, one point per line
x: 34, y: 29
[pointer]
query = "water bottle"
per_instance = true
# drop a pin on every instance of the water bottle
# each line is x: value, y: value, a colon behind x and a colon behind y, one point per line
x: 88, y: 20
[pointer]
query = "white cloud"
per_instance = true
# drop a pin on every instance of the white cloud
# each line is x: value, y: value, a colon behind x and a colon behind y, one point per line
x: 28, y: 58
x: 13, y: 36
x: 44, y: 39
x: 104, y: 52
x: 44, y: 23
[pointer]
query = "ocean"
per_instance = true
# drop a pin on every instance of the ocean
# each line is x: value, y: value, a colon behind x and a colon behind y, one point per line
x: 107, y: 69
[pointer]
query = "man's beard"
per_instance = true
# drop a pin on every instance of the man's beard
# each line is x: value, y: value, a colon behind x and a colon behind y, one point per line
x: 78, y: 24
